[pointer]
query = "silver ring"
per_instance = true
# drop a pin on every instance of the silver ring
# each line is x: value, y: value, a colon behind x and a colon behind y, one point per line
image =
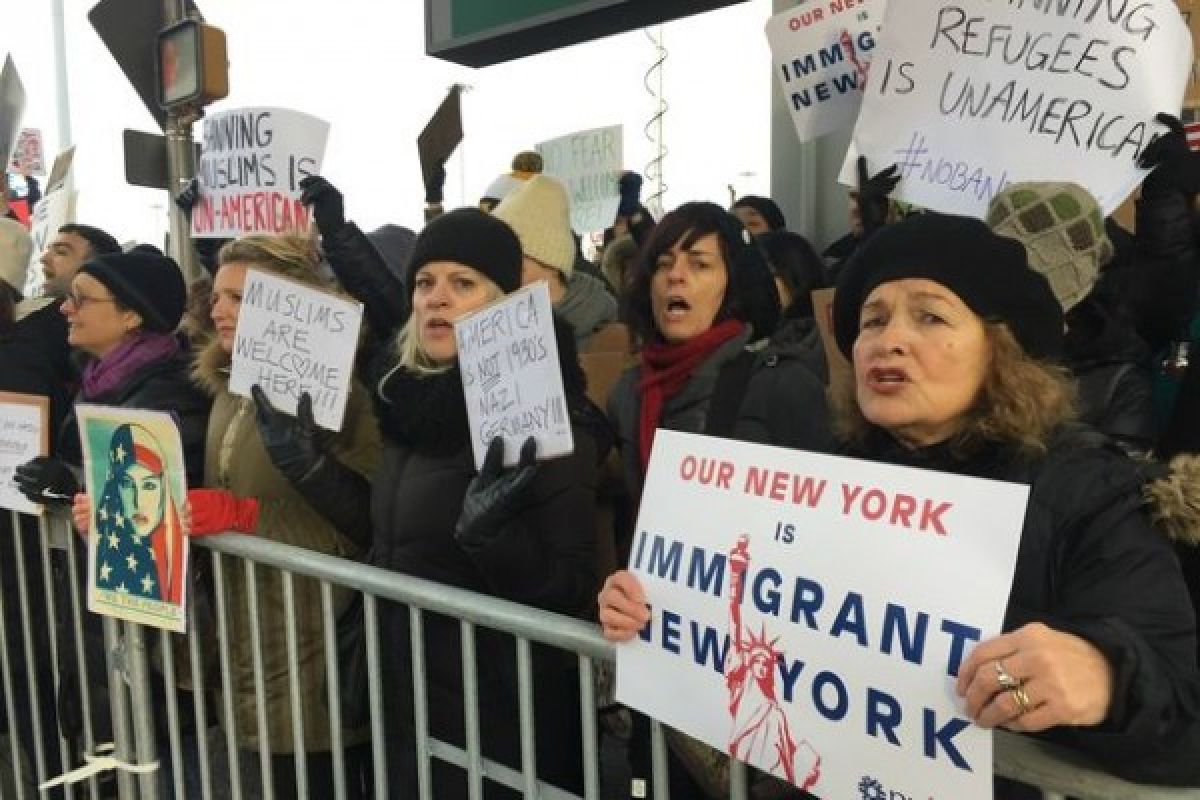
x: 1003, y: 678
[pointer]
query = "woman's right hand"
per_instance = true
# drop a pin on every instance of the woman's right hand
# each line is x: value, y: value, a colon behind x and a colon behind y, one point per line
x: 623, y: 608
x: 81, y: 514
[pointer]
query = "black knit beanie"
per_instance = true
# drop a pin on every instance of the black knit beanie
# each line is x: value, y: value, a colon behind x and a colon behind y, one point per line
x: 766, y: 208
x: 471, y: 237
x: 150, y: 284
x: 989, y: 273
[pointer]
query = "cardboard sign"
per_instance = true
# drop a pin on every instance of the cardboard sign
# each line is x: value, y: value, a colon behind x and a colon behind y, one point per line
x: 810, y: 612
x: 60, y: 170
x: 443, y: 134
x: 12, y: 108
x: 137, y: 485
x: 589, y: 164
x: 292, y: 339
x: 29, y: 156
x: 822, y: 51
x: 508, y: 358
x: 251, y: 165
x: 24, y: 435
x: 1191, y: 16
x: 967, y: 99
x: 839, y: 368
x: 51, y: 212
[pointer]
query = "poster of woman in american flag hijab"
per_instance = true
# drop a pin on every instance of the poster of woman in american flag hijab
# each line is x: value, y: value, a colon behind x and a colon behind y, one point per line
x: 137, y: 553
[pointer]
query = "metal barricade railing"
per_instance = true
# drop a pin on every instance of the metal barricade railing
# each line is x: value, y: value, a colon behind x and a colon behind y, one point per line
x: 196, y: 769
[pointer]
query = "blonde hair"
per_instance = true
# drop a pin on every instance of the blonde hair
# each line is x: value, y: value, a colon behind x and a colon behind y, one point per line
x: 293, y: 256
x: 1021, y: 403
x: 408, y: 343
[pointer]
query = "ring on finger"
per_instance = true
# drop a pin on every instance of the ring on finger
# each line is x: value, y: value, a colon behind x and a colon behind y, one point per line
x: 1021, y: 698
x: 1003, y: 677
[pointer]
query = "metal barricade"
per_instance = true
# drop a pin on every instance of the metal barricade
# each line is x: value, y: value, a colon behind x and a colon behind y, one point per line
x: 144, y: 697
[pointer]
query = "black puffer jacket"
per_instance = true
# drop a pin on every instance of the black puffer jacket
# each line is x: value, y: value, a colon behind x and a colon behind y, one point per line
x: 1091, y: 562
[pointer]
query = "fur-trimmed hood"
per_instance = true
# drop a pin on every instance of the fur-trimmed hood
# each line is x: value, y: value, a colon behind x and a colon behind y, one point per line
x: 1173, y: 497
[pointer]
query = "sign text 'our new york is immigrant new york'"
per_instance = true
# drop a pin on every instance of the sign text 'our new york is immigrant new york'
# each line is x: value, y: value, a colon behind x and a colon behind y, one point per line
x: 810, y: 612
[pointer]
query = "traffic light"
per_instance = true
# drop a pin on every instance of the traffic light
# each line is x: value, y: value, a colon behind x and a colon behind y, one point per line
x: 192, y: 67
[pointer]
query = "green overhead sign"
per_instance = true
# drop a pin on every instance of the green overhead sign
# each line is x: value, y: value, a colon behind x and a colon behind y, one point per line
x: 478, y: 33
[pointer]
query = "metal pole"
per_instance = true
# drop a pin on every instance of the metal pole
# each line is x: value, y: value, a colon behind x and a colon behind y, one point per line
x: 181, y: 167
x: 60, y: 75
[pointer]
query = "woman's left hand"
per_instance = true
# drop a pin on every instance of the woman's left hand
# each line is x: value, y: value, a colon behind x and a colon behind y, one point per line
x: 1036, y: 678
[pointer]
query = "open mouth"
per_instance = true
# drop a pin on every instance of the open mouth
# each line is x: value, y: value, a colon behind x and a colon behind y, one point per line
x: 885, y: 378
x: 438, y: 325
x: 677, y: 307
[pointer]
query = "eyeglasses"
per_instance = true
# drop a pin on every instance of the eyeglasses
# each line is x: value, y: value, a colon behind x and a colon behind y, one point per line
x: 81, y: 300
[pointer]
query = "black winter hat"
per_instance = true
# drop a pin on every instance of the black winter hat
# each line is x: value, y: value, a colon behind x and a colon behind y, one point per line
x: 471, y: 237
x: 767, y: 209
x: 150, y: 284
x: 989, y: 273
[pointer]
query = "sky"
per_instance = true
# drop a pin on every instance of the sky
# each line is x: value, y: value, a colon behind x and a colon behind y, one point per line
x: 361, y: 65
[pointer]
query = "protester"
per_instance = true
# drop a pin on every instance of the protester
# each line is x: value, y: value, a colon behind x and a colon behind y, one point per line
x: 870, y: 208
x: 278, y: 476
x: 539, y: 213
x: 759, y: 214
x: 798, y: 273
x: 699, y: 295
x: 1062, y: 229
x: 525, y: 165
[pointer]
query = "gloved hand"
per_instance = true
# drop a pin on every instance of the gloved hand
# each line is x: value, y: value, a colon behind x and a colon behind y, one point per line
x: 296, y: 445
x: 630, y: 187
x: 493, y: 494
x: 326, y: 202
x: 220, y: 511
x: 187, y: 198
x: 873, y: 195
x: 435, y: 183
x: 47, y: 481
x: 1175, y: 167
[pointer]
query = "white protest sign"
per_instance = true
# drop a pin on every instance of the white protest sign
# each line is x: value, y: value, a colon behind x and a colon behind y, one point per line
x: 822, y: 51
x: 251, y: 165
x: 51, y: 212
x: 968, y: 98
x: 293, y: 339
x: 589, y: 164
x: 29, y: 158
x: 508, y: 357
x: 810, y: 612
x: 24, y: 435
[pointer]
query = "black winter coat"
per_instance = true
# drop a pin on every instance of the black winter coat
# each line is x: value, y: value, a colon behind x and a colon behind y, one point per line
x: 1092, y: 563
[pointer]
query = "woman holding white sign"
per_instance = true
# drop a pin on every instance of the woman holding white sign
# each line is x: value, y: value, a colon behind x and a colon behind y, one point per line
x: 952, y: 339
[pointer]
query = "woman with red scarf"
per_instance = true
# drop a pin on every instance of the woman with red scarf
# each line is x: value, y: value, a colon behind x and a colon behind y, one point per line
x: 700, y: 300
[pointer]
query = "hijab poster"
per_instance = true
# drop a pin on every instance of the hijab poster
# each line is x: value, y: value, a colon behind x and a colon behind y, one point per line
x: 137, y: 550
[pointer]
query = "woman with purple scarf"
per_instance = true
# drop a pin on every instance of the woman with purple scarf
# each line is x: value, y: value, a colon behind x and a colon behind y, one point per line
x: 122, y: 312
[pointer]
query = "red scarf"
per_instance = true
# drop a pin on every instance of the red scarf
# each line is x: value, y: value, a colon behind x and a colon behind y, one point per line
x: 666, y: 368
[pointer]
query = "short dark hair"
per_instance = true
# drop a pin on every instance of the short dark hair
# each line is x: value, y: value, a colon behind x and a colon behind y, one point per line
x: 101, y: 242
x: 793, y: 260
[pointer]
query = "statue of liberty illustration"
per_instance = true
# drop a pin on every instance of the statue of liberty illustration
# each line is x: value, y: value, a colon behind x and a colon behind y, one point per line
x: 761, y: 734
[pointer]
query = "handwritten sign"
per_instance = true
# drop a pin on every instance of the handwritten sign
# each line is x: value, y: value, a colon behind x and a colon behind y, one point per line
x: 508, y: 357
x: 29, y: 157
x: 968, y: 98
x: 589, y: 164
x: 24, y: 435
x: 822, y: 51
x: 137, y: 484
x: 293, y: 339
x: 54, y: 210
x: 251, y: 165
x: 810, y: 613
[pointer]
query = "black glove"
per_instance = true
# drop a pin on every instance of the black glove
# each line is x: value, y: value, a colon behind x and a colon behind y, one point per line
x: 1175, y: 167
x: 873, y: 195
x: 296, y: 445
x: 493, y: 494
x: 47, y: 481
x: 435, y: 182
x: 186, y: 199
x: 326, y: 202
x: 630, y: 187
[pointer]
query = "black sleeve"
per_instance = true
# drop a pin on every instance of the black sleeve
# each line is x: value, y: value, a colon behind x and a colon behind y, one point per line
x: 363, y: 272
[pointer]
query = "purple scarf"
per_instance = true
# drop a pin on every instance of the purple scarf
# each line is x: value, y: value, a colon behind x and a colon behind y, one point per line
x: 106, y: 374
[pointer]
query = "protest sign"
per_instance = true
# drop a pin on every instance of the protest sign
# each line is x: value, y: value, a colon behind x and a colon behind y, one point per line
x: 442, y: 134
x: 822, y: 51
x: 24, y: 435
x: 51, y: 212
x: 966, y: 100
x: 589, y: 164
x: 508, y: 358
x: 12, y: 108
x: 137, y: 485
x: 293, y: 339
x: 29, y: 158
x: 251, y: 165
x: 1191, y: 15
x: 839, y: 368
x: 810, y: 612
x: 62, y: 166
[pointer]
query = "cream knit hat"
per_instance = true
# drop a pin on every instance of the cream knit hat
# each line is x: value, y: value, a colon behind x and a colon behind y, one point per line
x: 16, y: 247
x: 540, y: 214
